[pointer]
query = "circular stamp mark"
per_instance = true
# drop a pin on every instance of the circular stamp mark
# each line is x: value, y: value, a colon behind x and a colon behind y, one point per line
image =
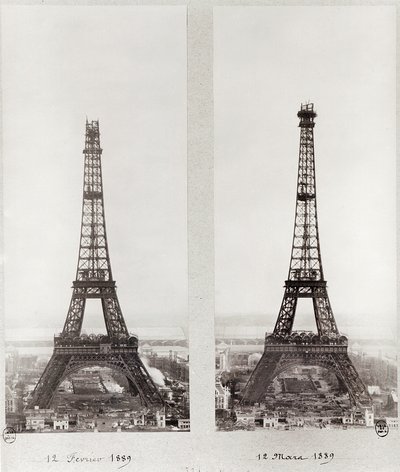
x: 381, y: 428
x: 9, y: 435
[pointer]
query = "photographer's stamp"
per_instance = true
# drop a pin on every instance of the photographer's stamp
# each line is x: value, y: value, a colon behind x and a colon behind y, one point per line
x: 9, y: 435
x: 381, y: 428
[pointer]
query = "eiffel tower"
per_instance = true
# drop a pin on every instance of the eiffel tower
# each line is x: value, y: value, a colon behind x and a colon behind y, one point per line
x: 72, y: 349
x: 285, y: 348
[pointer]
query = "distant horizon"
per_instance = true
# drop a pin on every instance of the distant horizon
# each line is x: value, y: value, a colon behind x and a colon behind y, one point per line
x: 43, y: 334
x: 266, y: 322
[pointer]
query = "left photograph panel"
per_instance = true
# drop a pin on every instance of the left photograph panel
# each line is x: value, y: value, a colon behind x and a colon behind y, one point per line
x: 95, y: 258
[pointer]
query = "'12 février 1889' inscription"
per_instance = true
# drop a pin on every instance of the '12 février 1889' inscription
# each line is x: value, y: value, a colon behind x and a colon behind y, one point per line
x: 322, y: 457
x: 121, y: 460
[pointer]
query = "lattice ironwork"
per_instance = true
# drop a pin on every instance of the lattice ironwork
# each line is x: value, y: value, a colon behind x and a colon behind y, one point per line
x: 306, y: 275
x: 118, y: 348
x: 272, y: 364
x: 305, y: 280
x: 93, y: 274
x: 62, y: 365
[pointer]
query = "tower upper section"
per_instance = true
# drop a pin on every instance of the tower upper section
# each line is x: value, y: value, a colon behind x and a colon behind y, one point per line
x: 94, y: 262
x: 305, y: 261
x: 307, y: 115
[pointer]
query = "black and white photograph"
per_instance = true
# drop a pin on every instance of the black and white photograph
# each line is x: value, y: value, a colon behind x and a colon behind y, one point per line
x: 94, y: 149
x: 199, y: 236
x: 305, y: 320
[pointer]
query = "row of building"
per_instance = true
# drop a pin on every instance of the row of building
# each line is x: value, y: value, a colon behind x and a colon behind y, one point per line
x: 38, y: 420
x: 273, y: 420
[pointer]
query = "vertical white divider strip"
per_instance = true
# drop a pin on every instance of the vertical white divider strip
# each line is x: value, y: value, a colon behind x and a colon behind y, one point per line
x: 201, y: 215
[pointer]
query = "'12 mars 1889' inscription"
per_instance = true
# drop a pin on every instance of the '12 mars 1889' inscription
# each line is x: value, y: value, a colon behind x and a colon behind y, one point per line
x: 323, y: 457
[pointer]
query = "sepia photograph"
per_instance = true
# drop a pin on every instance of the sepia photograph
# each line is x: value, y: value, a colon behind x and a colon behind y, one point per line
x: 199, y: 236
x: 305, y: 320
x: 95, y: 271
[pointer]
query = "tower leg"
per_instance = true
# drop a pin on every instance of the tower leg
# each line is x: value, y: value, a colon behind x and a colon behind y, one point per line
x: 273, y: 363
x: 261, y: 378
x: 136, y: 372
x: 62, y: 365
x: 49, y: 381
x: 346, y: 371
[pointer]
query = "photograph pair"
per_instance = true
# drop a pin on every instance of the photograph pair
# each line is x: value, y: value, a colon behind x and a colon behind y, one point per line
x: 97, y: 323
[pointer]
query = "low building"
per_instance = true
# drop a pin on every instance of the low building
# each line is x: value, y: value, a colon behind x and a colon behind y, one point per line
x: 374, y: 389
x: 283, y: 426
x: 160, y: 418
x: 34, y: 423
x: 184, y: 424
x: 360, y: 420
x: 61, y: 424
x: 392, y: 422
x: 296, y: 421
x: 245, y: 419
x: 36, y: 418
x: 138, y: 420
x: 223, y: 353
x: 270, y: 422
x: 348, y: 419
x: 369, y: 417
x: 11, y: 401
x: 222, y: 396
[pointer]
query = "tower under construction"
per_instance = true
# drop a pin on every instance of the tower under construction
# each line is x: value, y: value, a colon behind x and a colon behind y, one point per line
x: 118, y: 349
x: 285, y: 348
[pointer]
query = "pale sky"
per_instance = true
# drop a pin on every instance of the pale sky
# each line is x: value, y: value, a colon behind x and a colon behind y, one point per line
x: 125, y: 66
x: 267, y: 60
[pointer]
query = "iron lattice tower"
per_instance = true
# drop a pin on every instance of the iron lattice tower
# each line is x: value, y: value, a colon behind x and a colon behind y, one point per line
x: 285, y: 348
x: 117, y: 349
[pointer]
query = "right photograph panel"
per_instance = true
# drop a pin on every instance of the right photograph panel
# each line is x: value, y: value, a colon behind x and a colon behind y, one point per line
x: 305, y: 227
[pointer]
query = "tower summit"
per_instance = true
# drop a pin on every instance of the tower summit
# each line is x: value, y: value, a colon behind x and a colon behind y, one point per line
x: 117, y: 349
x: 285, y: 348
